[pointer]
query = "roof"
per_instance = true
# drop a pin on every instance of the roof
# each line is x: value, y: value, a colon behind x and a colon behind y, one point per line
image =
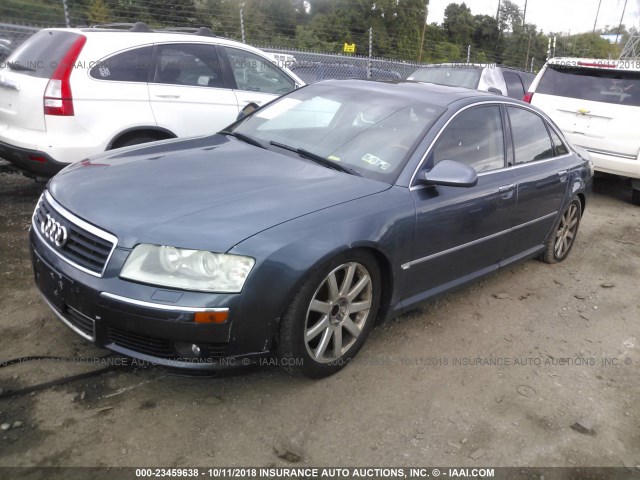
x: 168, y: 35
x: 438, y: 95
x: 596, y: 63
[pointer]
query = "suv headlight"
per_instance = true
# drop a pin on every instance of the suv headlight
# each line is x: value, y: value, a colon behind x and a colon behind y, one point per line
x: 197, y: 270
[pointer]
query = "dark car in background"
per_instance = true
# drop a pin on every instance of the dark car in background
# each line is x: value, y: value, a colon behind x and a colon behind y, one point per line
x: 293, y: 230
x: 493, y: 78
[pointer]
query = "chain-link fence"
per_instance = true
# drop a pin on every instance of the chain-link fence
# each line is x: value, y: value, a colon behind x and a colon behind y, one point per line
x: 308, y: 65
x: 315, y: 66
x: 11, y: 36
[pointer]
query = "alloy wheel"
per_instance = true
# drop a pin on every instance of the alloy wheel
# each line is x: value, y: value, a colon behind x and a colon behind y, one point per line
x: 338, y: 312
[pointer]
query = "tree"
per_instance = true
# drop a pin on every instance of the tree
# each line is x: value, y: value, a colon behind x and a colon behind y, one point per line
x: 97, y: 12
x: 509, y: 17
x: 458, y: 23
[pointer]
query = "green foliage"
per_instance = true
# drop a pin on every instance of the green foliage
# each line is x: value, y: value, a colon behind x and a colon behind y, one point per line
x: 397, y: 26
x: 97, y: 12
x: 458, y: 23
x: 587, y: 45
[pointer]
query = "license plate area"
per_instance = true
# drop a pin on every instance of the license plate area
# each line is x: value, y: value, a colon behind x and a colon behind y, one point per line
x: 63, y: 296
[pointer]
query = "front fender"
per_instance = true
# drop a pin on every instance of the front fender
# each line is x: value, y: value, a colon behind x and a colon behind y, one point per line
x: 286, y: 254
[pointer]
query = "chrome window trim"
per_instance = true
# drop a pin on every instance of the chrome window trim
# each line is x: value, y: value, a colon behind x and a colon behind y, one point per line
x: 488, y: 103
x: 159, y: 306
x: 70, y: 217
x: 406, y: 266
x: 86, y: 336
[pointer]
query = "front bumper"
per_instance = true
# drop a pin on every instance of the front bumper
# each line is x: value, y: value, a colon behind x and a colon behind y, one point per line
x: 151, y: 332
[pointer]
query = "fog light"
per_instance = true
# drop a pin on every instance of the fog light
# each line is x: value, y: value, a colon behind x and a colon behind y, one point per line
x: 188, y: 350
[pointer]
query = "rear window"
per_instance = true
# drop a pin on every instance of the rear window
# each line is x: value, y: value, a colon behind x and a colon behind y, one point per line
x: 462, y: 76
x: 609, y: 86
x: 40, y: 55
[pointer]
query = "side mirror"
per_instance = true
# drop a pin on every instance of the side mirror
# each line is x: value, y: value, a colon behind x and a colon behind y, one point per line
x: 495, y: 90
x: 248, y: 109
x: 449, y: 173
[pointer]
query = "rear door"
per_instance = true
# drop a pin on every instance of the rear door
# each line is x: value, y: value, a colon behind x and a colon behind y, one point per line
x: 25, y: 75
x: 597, y: 109
x: 187, y: 91
x: 541, y: 165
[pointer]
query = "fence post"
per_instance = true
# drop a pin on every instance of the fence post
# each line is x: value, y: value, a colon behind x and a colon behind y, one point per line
x: 242, y: 25
x: 370, y: 52
x: 66, y: 13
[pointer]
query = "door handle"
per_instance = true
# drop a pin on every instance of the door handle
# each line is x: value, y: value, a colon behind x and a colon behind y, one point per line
x: 168, y: 96
x: 507, y: 188
x: 563, y: 175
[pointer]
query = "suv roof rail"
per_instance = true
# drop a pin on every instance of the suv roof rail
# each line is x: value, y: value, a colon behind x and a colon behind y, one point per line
x: 203, y: 31
x: 134, y: 27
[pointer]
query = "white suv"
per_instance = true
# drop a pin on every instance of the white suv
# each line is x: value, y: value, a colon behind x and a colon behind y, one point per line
x: 66, y: 94
x: 596, y: 103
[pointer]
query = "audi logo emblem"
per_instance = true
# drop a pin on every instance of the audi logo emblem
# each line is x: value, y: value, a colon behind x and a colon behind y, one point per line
x: 55, y: 232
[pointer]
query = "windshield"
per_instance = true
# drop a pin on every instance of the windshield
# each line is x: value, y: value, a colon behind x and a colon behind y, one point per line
x: 368, y: 134
x: 461, y: 76
x: 609, y: 86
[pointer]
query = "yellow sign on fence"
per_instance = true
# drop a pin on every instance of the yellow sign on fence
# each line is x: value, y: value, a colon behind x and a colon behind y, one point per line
x: 349, y: 48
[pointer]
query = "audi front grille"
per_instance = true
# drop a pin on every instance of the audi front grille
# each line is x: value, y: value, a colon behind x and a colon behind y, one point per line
x: 75, y: 241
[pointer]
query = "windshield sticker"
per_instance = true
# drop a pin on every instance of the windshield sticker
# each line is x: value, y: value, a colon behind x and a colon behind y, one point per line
x: 378, y: 162
x: 278, y: 108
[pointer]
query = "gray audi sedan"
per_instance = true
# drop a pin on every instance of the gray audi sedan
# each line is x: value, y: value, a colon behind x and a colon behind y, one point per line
x: 285, y: 236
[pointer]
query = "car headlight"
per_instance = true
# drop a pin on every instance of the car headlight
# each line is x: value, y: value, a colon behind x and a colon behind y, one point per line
x: 187, y: 269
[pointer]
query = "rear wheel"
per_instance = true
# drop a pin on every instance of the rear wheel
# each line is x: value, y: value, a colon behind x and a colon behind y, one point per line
x: 328, y: 320
x: 635, y: 197
x: 560, y: 242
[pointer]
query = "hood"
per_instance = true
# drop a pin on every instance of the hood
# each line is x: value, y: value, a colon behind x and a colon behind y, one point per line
x: 206, y: 193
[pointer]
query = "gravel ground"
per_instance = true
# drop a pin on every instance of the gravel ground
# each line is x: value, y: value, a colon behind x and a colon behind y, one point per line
x: 537, y: 365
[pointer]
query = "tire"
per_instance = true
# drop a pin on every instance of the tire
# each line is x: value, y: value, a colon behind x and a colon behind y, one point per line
x: 563, y: 235
x: 135, y: 140
x: 635, y: 197
x: 336, y: 308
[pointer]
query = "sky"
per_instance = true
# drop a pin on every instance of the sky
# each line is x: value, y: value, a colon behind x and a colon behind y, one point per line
x: 564, y: 16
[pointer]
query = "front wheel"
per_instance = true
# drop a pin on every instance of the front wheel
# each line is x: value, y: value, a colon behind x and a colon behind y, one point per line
x: 560, y: 242
x: 328, y: 320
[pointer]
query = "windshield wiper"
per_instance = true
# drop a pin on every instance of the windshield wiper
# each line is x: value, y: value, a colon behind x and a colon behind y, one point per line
x: 20, y: 68
x: 317, y: 158
x: 245, y: 138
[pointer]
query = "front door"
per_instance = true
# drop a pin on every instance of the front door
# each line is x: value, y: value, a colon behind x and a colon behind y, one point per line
x: 461, y: 232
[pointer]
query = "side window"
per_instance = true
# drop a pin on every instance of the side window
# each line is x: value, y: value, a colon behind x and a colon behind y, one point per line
x: 256, y: 74
x: 475, y: 138
x: 530, y: 138
x: 560, y: 147
x: 514, y: 84
x: 129, y: 66
x: 187, y: 64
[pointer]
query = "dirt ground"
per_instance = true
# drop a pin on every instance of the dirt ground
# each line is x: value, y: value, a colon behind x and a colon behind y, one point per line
x: 537, y: 365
